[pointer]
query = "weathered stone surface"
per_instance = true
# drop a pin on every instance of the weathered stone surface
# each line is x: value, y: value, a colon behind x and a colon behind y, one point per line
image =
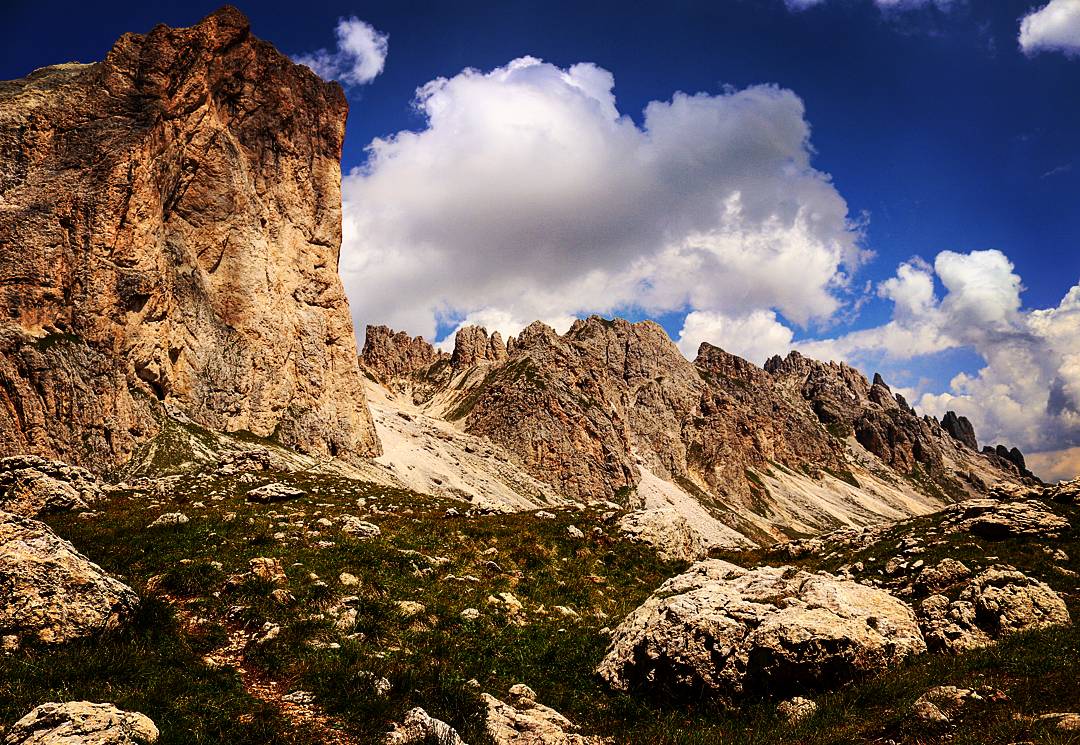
x: 420, y: 728
x: 734, y: 632
x: 169, y: 519
x: 944, y: 574
x: 960, y: 428
x: 31, y: 486
x: 944, y: 705
x: 359, y: 529
x: 51, y: 592
x: 796, y: 709
x: 472, y: 345
x: 996, y: 602
x: 665, y: 530
x: 993, y: 518
x: 169, y: 234
x: 268, y: 569
x: 523, y: 721
x: 82, y: 723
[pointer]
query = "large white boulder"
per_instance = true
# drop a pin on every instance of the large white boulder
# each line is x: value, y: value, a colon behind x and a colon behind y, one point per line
x: 731, y: 632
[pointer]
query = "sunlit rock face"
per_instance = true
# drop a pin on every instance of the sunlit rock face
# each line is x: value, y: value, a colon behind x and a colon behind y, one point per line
x: 170, y: 221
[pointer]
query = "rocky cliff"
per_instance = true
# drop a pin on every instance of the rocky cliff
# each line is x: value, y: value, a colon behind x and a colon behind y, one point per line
x: 611, y: 410
x: 170, y: 221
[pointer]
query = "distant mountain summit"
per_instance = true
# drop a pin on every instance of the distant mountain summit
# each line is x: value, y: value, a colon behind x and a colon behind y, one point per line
x: 170, y: 221
x: 611, y: 410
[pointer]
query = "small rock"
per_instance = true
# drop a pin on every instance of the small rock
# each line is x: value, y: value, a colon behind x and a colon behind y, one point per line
x: 268, y: 569
x: 796, y: 709
x: 409, y: 608
x: 359, y: 529
x: 169, y: 518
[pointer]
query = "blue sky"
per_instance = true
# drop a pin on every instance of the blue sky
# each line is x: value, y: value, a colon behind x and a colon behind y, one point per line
x: 931, y: 125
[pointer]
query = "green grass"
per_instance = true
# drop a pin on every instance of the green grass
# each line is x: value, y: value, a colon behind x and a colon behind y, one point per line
x: 156, y: 666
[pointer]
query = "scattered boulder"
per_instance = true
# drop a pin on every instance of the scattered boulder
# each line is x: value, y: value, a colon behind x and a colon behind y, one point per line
x: 732, y: 632
x: 991, y: 518
x: 945, y: 573
x: 419, y: 728
x: 1008, y: 601
x: 274, y: 492
x: 666, y: 530
x: 268, y: 570
x: 170, y: 518
x: 32, y: 486
x: 360, y: 529
x: 796, y: 709
x: 409, y: 608
x: 1061, y: 721
x: 523, y: 721
x: 997, y: 602
x: 945, y: 705
x: 82, y: 723
x: 51, y: 592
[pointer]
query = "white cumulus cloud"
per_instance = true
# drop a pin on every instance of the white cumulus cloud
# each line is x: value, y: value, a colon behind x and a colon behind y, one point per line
x: 1054, y: 27
x: 755, y: 336
x: 358, y: 58
x: 527, y: 194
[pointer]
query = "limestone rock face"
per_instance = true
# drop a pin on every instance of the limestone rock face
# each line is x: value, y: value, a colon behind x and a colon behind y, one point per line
x: 733, y: 632
x: 82, y: 723
x: 390, y: 355
x: 51, y: 592
x: 472, y: 345
x: 418, y: 727
x: 170, y: 222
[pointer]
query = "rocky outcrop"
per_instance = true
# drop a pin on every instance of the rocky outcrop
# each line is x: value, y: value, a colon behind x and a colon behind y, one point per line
x: 170, y: 221
x: 31, y: 486
x: 51, y: 593
x: 997, y: 602
x: 82, y: 723
x: 993, y: 518
x: 524, y: 721
x: 732, y: 632
x: 665, y: 530
x: 473, y: 346
x: 418, y: 728
x: 960, y: 428
x: 389, y: 355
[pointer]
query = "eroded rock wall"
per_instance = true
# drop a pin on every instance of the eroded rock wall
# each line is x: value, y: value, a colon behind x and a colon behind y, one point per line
x: 170, y: 222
